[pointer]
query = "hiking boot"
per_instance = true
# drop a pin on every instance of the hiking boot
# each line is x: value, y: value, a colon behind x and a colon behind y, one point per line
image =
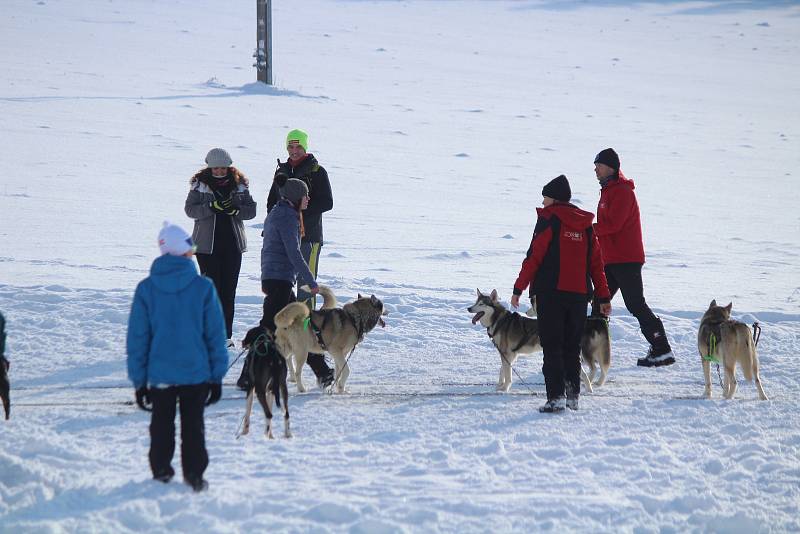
x: 572, y: 404
x: 164, y: 476
x: 657, y: 358
x: 325, y: 381
x: 198, y: 484
x: 553, y: 405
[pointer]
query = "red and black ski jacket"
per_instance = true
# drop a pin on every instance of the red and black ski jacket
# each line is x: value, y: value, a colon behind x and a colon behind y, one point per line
x: 564, y: 255
x: 619, y: 227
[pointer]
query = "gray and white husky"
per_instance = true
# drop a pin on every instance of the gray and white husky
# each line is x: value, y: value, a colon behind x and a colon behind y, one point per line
x: 330, y: 329
x: 513, y: 334
x: 731, y: 342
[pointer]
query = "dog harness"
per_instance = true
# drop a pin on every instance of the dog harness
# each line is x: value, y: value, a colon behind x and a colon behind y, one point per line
x: 491, y: 332
x: 309, y: 323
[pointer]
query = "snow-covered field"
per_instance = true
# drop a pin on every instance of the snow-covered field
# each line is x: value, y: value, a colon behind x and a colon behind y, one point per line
x: 438, y: 122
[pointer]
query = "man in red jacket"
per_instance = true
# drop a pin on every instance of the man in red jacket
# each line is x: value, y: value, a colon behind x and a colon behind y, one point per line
x: 562, y: 263
x: 619, y: 231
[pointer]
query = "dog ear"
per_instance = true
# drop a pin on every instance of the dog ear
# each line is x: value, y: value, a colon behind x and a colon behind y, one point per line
x: 494, y: 295
x: 359, y: 296
x: 373, y: 300
x: 729, y: 307
x: 713, y: 303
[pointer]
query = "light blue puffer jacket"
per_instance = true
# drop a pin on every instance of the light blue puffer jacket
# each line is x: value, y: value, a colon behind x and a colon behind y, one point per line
x: 176, y: 330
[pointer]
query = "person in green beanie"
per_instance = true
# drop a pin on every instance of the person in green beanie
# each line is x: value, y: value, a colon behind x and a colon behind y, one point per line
x: 304, y: 166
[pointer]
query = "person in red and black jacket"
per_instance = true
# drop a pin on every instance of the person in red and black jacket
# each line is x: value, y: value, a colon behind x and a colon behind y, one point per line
x: 562, y: 266
x: 619, y: 230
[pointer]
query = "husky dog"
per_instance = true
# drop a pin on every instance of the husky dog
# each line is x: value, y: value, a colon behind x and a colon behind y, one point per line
x: 512, y: 335
x: 329, y: 329
x: 729, y: 342
x: 267, y: 369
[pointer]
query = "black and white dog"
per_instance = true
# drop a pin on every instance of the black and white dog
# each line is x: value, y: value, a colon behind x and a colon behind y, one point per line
x: 267, y: 371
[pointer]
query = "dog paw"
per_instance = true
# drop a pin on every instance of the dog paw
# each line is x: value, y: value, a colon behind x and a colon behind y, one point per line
x: 288, y: 435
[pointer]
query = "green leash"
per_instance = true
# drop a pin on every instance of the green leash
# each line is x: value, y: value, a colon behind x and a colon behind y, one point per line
x: 712, y: 349
x: 306, y: 321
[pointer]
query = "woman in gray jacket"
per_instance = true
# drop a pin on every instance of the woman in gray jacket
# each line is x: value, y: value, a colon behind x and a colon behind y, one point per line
x: 218, y: 201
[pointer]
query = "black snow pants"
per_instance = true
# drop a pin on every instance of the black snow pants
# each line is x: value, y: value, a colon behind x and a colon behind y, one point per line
x: 627, y: 278
x: 561, y: 320
x: 223, y: 268
x: 279, y: 293
x: 194, y: 457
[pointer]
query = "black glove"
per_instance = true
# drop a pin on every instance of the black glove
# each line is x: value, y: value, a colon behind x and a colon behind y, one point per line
x: 221, y: 206
x: 214, y: 393
x: 143, y: 399
x: 232, y: 211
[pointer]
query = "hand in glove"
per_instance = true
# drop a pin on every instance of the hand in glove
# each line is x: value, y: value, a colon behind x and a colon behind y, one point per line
x: 222, y: 205
x: 214, y: 393
x: 232, y: 211
x: 143, y: 399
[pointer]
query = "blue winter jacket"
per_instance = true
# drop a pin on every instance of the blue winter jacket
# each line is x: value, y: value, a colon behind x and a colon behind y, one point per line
x: 281, y: 258
x: 176, y: 330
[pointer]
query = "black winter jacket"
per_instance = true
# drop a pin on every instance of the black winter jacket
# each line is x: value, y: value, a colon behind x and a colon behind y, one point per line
x: 319, y: 192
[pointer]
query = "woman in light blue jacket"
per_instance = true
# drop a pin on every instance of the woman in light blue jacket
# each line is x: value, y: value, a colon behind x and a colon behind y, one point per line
x: 176, y: 352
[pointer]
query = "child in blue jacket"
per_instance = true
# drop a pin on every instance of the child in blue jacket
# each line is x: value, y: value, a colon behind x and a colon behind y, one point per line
x: 176, y: 352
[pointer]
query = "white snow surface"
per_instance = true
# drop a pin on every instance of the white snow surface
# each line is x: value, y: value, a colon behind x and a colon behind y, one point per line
x: 439, y: 122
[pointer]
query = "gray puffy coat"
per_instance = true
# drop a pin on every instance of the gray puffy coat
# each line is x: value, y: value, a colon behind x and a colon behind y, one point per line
x: 198, y: 208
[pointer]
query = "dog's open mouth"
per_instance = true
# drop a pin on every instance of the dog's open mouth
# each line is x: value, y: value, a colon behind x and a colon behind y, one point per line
x: 477, y: 317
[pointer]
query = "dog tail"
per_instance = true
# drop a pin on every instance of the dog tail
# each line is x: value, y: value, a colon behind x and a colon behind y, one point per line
x: 291, y: 313
x: 4, y: 386
x: 329, y: 299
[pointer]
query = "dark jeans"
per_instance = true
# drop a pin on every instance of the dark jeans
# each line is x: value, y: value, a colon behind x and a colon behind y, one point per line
x: 223, y: 268
x: 194, y: 457
x: 627, y: 278
x: 561, y: 321
x: 279, y: 293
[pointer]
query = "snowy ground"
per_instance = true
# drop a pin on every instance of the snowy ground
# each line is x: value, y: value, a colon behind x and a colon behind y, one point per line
x: 438, y: 122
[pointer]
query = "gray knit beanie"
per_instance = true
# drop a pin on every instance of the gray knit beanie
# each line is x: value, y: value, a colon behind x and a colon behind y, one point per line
x: 218, y: 157
x: 292, y: 189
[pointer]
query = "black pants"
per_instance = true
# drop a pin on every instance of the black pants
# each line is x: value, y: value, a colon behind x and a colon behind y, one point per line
x: 194, y: 457
x: 223, y: 268
x: 561, y: 321
x: 627, y: 278
x: 279, y: 293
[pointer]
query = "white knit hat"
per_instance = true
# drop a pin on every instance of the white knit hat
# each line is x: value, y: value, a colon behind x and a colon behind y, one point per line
x: 172, y: 239
x: 218, y: 157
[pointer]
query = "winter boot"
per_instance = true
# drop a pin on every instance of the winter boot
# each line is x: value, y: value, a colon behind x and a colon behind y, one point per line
x: 197, y: 483
x: 553, y: 405
x: 573, y: 394
x: 325, y: 381
x: 657, y: 357
x: 164, y: 476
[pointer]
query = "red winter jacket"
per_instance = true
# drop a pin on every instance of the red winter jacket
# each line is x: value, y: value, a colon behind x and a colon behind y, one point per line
x: 564, y: 254
x: 618, y: 226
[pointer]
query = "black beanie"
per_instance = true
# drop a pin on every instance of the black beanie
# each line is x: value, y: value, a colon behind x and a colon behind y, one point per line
x: 608, y: 157
x: 558, y: 189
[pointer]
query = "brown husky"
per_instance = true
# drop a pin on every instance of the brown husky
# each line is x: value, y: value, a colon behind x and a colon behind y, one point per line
x: 330, y: 329
x: 513, y: 334
x: 727, y: 341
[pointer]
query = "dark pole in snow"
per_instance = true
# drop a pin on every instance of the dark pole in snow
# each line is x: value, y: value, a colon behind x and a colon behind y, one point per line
x: 263, y: 53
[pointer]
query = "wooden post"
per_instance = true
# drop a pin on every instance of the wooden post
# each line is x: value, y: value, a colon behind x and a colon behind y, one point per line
x: 263, y: 53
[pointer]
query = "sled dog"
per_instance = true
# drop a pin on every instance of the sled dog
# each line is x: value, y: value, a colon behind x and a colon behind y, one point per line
x: 330, y: 329
x: 513, y: 334
x: 267, y: 370
x: 728, y: 342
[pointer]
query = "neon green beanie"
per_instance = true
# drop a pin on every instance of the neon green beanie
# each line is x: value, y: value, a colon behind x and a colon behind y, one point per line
x: 300, y: 136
